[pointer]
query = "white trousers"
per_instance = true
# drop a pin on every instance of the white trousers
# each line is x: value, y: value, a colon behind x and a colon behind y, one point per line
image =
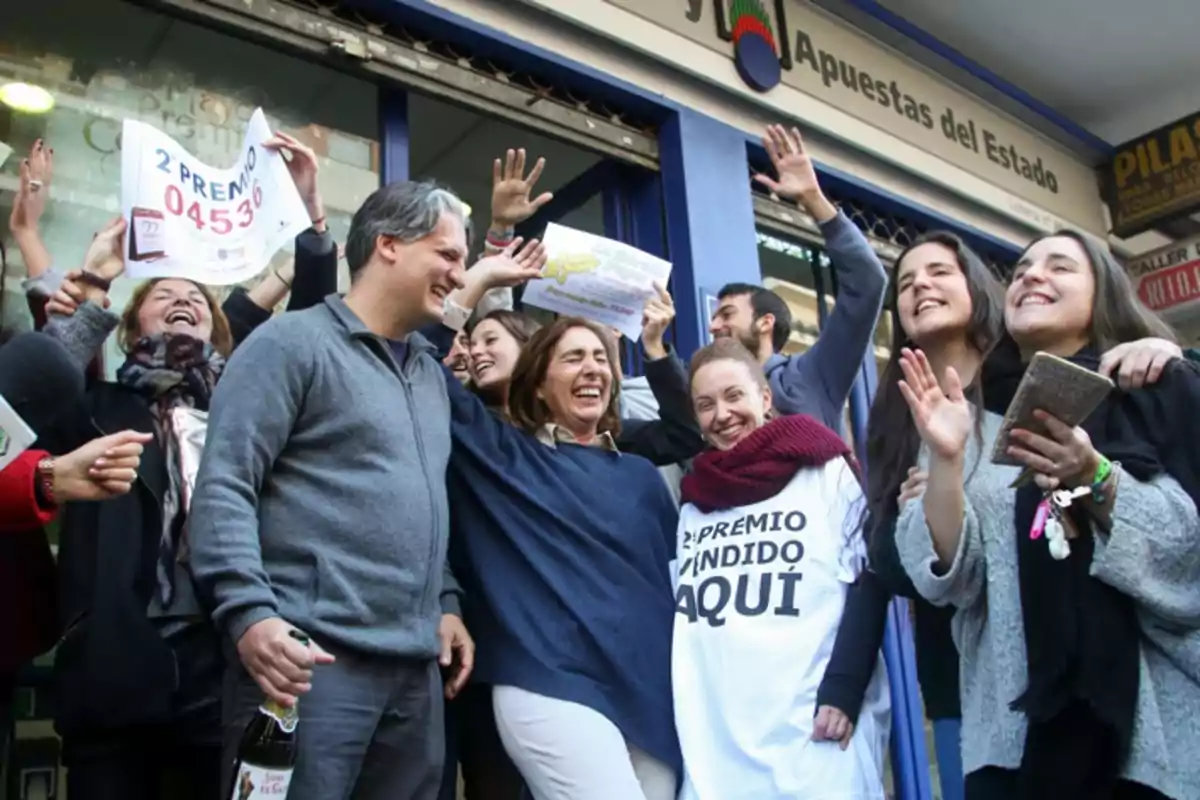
x: 566, y: 751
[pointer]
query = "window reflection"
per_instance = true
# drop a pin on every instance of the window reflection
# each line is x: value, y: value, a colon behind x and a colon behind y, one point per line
x: 197, y: 85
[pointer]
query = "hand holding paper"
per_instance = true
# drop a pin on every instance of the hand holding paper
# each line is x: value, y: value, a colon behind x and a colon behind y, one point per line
x: 657, y: 315
x: 303, y: 166
x: 105, y: 256
x: 214, y: 226
x: 596, y: 278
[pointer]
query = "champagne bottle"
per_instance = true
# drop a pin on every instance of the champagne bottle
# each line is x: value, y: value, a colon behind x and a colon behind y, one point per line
x: 267, y: 753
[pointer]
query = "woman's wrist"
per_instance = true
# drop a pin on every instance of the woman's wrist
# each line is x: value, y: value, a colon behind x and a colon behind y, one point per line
x: 499, y: 235
x: 316, y: 213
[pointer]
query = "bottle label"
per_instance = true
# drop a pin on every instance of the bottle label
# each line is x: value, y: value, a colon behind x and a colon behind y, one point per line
x: 256, y: 782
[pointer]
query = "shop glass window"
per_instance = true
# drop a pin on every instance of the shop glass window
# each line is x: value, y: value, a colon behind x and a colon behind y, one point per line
x: 197, y: 84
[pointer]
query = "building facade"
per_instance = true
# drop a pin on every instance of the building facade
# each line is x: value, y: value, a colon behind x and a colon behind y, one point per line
x: 649, y: 113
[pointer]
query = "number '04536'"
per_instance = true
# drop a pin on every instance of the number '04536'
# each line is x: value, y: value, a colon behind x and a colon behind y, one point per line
x: 218, y: 220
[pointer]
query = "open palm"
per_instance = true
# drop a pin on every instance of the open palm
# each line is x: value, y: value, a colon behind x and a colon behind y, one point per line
x: 793, y: 166
x: 942, y: 417
x: 511, y: 189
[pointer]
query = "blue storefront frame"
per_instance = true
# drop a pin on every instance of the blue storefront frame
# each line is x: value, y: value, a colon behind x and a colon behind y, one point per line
x: 698, y: 212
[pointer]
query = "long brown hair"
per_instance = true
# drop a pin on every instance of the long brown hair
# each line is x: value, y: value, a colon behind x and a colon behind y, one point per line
x: 892, y: 438
x: 528, y: 411
x: 129, y: 331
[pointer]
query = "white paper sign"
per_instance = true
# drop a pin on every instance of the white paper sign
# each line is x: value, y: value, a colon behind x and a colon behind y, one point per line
x: 15, y: 435
x: 190, y: 220
x: 596, y: 278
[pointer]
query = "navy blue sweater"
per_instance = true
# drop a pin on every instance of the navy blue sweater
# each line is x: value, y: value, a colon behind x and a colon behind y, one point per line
x: 563, y: 553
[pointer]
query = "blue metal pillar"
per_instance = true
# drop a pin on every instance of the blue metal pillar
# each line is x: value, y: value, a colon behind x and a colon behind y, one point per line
x: 393, y: 135
x: 710, y: 217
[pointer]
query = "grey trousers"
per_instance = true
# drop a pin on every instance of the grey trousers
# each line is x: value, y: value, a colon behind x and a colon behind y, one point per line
x: 370, y: 729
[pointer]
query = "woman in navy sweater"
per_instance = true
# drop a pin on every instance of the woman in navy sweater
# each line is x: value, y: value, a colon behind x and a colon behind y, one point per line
x: 564, y: 546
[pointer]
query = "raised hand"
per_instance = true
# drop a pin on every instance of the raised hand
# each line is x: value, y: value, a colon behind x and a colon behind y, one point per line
x: 656, y: 316
x: 942, y: 417
x: 33, y: 190
x: 519, y: 262
x: 303, y: 166
x: 511, y: 190
x: 105, y: 257
x: 796, y: 176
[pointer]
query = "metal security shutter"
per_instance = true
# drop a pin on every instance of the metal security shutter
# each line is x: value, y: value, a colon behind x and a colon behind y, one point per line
x: 391, y: 53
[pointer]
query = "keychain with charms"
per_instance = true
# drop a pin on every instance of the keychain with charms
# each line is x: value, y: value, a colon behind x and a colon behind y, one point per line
x: 1055, y: 528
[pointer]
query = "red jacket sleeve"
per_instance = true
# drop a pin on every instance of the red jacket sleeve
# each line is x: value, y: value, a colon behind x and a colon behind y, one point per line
x: 19, y: 508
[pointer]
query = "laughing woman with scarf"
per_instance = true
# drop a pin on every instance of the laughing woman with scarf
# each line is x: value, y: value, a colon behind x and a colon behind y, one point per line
x: 139, y: 666
x: 1080, y: 677
x: 769, y: 548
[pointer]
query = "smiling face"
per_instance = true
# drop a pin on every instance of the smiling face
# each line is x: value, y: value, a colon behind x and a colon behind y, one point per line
x: 1048, y: 305
x: 458, y: 359
x: 734, y: 319
x: 577, y: 386
x: 425, y: 271
x: 494, y: 352
x: 932, y: 296
x: 175, y: 306
x: 729, y: 403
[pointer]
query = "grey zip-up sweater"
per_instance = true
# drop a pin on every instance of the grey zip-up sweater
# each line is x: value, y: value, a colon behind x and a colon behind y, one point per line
x: 321, y: 497
x: 1152, y: 555
x: 817, y: 382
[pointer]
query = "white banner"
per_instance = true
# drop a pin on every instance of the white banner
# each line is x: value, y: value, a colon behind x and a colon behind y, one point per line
x: 596, y: 278
x: 190, y: 220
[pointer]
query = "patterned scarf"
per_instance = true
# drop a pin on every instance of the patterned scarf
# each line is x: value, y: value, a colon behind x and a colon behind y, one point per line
x: 171, y: 371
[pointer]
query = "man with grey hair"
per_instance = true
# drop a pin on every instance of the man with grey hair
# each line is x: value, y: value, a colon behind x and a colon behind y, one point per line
x: 320, y: 508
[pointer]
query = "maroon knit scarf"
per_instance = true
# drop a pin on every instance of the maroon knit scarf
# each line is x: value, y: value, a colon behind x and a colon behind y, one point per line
x: 762, y: 464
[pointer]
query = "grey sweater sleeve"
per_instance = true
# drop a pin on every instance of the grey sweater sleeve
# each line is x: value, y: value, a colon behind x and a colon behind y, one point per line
x: 1153, y: 551
x: 963, y: 584
x: 46, y: 284
x: 254, y: 407
x: 451, y: 597
x: 832, y: 363
x: 84, y: 332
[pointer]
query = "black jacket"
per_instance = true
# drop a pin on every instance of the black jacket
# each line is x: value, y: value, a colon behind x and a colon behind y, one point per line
x: 937, y: 657
x: 113, y: 667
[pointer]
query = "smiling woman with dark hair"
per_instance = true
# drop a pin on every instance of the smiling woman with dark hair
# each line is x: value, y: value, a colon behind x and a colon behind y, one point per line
x: 1066, y: 658
x: 562, y: 544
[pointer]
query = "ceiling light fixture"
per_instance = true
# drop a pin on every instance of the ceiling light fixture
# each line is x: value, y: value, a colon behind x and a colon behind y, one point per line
x: 26, y: 97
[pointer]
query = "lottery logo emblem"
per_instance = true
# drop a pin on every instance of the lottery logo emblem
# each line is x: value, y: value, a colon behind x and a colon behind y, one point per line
x: 755, y: 52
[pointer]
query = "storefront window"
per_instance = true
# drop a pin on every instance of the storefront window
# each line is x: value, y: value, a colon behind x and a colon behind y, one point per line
x: 198, y: 85
x: 799, y: 273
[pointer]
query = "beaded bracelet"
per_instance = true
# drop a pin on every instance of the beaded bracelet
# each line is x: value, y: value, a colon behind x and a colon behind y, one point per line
x: 1103, y: 472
